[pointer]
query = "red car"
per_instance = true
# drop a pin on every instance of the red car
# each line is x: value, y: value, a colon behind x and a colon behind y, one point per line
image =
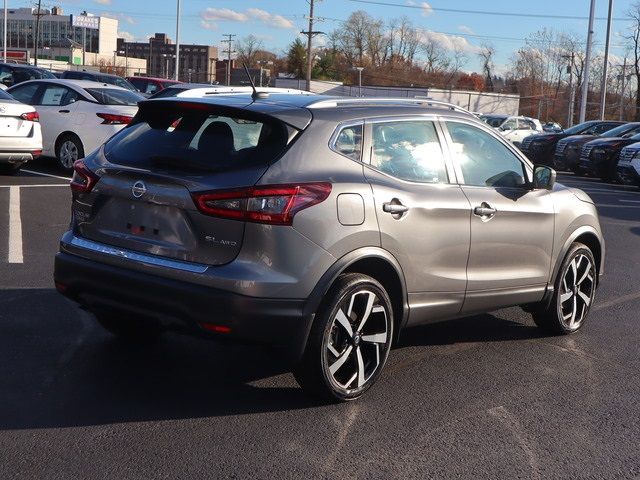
x: 151, y: 85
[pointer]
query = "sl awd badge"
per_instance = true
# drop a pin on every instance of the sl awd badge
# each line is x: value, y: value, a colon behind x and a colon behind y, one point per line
x: 138, y: 189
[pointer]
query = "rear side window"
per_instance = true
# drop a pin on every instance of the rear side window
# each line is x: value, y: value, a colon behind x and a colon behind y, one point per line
x: 195, y: 140
x: 25, y: 93
x: 348, y: 141
x: 408, y: 150
x: 112, y: 96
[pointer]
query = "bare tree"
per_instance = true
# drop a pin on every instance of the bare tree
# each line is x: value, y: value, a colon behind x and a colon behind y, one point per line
x: 248, y: 50
x: 487, y: 52
x: 634, y: 38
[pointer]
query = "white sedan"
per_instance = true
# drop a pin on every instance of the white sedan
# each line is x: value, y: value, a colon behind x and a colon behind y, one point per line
x: 77, y: 115
x: 20, y: 134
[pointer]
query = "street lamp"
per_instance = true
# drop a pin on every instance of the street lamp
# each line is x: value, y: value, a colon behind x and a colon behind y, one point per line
x: 359, y: 69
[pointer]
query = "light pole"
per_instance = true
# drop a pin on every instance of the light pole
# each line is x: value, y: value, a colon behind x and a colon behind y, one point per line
x: 587, y: 61
x: 4, y: 43
x: 359, y: 69
x: 177, y: 41
x: 605, y: 69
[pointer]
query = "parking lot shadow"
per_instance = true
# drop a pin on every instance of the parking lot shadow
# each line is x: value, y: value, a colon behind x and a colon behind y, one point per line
x: 58, y: 368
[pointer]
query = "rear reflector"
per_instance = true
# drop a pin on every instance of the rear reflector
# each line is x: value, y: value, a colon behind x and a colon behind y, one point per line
x: 83, y: 179
x: 272, y: 204
x: 215, y: 328
x: 30, y: 116
x: 61, y: 287
x: 36, y: 153
x: 112, y: 119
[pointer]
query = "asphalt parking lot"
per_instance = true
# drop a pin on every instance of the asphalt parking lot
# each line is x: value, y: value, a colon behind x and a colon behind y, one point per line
x: 481, y: 397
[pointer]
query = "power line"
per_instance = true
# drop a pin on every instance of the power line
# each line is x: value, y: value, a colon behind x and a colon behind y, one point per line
x: 484, y: 12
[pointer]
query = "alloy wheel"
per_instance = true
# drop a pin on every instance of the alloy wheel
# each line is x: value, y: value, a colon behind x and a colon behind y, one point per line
x: 68, y: 153
x: 577, y: 291
x: 358, y: 341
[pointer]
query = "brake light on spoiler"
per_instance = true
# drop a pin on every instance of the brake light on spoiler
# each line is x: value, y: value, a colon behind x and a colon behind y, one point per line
x: 270, y: 204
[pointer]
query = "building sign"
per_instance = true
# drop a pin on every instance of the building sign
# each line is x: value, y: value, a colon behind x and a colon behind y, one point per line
x: 85, y: 21
x: 18, y: 55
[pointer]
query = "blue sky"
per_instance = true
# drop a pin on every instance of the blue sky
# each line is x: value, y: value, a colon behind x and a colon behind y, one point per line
x: 277, y: 22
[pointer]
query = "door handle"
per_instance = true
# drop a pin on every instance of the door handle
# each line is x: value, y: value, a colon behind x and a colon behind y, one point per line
x: 394, y: 208
x: 484, y: 210
x: 64, y: 111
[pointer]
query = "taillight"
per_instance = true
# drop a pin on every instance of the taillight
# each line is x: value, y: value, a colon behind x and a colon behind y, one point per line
x: 30, y: 116
x: 83, y: 179
x: 113, y: 119
x: 36, y: 153
x: 273, y: 204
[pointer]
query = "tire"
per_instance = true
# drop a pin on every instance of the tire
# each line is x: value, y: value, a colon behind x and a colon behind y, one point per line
x: 68, y: 149
x: 573, y: 293
x: 129, y: 329
x: 349, y: 340
x: 9, y: 169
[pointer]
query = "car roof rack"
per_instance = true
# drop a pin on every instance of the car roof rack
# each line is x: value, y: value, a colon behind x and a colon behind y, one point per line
x: 380, y: 101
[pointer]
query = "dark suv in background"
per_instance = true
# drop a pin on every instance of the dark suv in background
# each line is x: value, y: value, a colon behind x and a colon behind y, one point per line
x: 14, y: 73
x: 540, y: 148
x: 322, y: 226
x: 600, y: 157
x: 567, y: 156
x: 98, y: 77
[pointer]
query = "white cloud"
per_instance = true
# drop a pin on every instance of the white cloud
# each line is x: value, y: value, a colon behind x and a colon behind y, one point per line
x: 449, y: 42
x: 128, y: 36
x: 223, y: 14
x: 426, y: 9
x: 271, y: 19
x: 465, y: 29
x: 226, y: 14
x: 208, y: 25
x: 120, y: 17
x: 103, y: 2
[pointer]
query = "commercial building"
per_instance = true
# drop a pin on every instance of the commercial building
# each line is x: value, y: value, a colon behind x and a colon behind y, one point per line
x: 54, y: 29
x: 197, y: 62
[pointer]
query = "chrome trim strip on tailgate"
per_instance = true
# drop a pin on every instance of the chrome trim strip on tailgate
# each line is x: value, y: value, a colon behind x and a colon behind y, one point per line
x: 137, y: 257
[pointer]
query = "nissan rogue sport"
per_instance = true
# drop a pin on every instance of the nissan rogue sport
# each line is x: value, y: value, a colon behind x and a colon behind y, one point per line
x: 321, y: 226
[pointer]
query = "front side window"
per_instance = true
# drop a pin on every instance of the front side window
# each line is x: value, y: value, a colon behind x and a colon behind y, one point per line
x: 408, y: 150
x: 482, y: 159
x: 348, y: 142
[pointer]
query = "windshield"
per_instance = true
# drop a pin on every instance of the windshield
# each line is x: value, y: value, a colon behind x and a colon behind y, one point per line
x: 581, y: 127
x: 622, y: 130
x: 5, y: 96
x: 494, y: 121
x: 178, y: 139
x: 113, y: 96
x: 46, y: 74
x: 168, y: 92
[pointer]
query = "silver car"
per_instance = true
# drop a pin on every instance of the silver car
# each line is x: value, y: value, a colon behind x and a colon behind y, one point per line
x: 321, y: 226
x: 20, y: 134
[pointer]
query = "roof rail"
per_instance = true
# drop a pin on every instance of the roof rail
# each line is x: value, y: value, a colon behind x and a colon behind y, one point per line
x: 380, y: 101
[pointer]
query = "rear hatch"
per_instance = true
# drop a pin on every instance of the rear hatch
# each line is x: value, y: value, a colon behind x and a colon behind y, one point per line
x: 12, y: 124
x: 151, y: 171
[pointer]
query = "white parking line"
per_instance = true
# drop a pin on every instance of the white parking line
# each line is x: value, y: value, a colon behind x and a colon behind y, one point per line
x: 629, y: 201
x: 45, y: 174
x: 15, y: 226
x: 66, y: 185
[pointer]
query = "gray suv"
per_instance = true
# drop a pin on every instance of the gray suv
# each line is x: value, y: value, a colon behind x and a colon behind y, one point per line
x: 321, y: 226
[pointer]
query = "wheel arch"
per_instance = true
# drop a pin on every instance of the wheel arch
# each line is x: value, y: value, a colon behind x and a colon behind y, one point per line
x: 589, y: 237
x: 64, y: 134
x: 373, y: 261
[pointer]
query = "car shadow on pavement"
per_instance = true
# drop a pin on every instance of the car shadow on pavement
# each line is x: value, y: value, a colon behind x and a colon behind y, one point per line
x: 58, y: 368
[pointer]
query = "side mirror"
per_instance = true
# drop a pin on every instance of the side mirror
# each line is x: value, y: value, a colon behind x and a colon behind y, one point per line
x: 544, y: 178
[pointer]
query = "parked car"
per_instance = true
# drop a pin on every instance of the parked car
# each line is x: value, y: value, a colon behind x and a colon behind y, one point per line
x: 515, y: 129
x: 568, y: 150
x: 15, y: 73
x: 540, y: 148
x: 77, y: 115
x: 20, y: 135
x: 98, y: 77
x: 323, y: 226
x: 151, y: 85
x: 629, y: 164
x: 600, y: 157
x: 553, y: 127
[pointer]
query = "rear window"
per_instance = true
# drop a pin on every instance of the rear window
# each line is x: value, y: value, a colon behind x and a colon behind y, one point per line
x: 112, y: 96
x: 5, y: 96
x: 169, y: 92
x: 197, y: 140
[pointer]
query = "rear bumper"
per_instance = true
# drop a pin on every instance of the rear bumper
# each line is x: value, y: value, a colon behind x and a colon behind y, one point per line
x: 16, y: 157
x: 183, y: 306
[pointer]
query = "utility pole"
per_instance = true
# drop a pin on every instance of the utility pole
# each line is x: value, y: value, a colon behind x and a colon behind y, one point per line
x: 605, y: 69
x: 228, y: 41
x: 310, y: 33
x: 587, y: 61
x: 177, y: 41
x: 35, y: 41
x: 572, y: 90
